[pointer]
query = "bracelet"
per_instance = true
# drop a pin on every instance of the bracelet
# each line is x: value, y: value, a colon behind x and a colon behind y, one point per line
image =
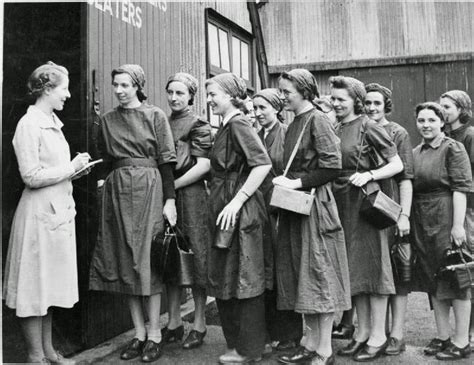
x: 406, y: 215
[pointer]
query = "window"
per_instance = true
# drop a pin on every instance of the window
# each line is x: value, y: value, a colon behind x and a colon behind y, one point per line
x: 230, y: 49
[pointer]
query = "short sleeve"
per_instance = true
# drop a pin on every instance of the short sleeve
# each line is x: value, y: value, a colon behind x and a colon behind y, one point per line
x: 458, y: 166
x: 325, y: 142
x: 201, y: 139
x: 405, y: 151
x: 167, y: 153
x: 469, y: 145
x: 378, y: 138
x: 248, y: 143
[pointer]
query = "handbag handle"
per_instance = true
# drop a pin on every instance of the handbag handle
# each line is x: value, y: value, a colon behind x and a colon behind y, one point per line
x: 465, y: 264
x: 295, y: 150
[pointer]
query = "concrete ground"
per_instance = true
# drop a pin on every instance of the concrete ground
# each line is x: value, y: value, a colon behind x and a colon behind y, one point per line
x: 420, y: 328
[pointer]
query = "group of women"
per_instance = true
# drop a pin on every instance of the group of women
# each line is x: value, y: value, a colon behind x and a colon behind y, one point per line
x: 281, y: 277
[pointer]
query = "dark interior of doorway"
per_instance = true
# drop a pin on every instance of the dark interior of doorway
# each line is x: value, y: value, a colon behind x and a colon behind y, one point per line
x: 35, y: 33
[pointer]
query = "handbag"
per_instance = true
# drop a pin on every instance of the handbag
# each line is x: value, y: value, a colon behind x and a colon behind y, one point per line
x: 457, y: 268
x: 377, y: 208
x: 296, y: 201
x: 223, y: 237
x: 401, y: 255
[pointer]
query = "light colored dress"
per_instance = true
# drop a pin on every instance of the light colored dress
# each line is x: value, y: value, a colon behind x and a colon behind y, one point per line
x: 41, y: 268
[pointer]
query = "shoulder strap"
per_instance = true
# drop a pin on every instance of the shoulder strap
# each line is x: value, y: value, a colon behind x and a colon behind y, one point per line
x: 364, y: 132
x: 295, y: 149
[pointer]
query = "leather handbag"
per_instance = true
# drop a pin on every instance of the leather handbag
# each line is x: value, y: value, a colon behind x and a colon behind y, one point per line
x: 401, y: 255
x: 223, y: 238
x: 457, y: 268
x: 377, y: 208
x: 296, y: 201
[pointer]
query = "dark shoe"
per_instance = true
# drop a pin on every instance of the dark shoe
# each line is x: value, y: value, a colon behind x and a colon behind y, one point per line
x: 352, y: 348
x: 194, y: 339
x: 152, y: 351
x: 436, y: 345
x: 286, y: 345
x: 369, y: 353
x: 343, y: 332
x: 133, y: 349
x: 395, y: 346
x: 321, y: 360
x: 301, y: 355
x: 452, y: 352
x: 174, y: 335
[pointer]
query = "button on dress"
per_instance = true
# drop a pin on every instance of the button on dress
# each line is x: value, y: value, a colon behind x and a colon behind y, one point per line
x: 192, y: 200
x: 441, y: 167
x: 132, y: 200
x: 41, y: 267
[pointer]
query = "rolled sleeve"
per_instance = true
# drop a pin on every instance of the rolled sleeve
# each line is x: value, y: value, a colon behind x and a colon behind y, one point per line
x: 405, y: 151
x: 459, y: 169
x: 248, y: 143
x: 201, y: 139
x: 378, y: 138
x: 165, y: 138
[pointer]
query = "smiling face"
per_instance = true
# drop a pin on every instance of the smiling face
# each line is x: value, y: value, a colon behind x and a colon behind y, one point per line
x: 178, y: 96
x: 125, y: 90
x: 292, y: 99
x: 218, y: 99
x: 265, y: 113
x: 343, y: 104
x: 451, y: 111
x: 58, y: 95
x: 428, y: 124
x: 375, y: 106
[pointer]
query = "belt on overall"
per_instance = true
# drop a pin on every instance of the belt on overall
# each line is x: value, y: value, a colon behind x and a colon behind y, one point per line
x: 134, y: 162
x: 432, y: 194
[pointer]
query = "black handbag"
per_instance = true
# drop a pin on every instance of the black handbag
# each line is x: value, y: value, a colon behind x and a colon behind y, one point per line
x: 173, y: 257
x: 457, y: 268
x: 377, y: 208
x: 223, y: 237
x: 401, y: 255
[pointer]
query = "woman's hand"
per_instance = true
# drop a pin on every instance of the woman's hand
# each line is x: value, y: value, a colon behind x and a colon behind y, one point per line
x: 360, y: 179
x: 228, y: 215
x: 403, y: 226
x: 292, y: 184
x: 169, y: 212
x: 80, y: 161
x: 458, y: 235
x: 81, y: 174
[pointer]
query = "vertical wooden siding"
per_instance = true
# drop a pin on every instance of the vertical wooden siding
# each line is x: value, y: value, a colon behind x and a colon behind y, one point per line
x: 305, y: 32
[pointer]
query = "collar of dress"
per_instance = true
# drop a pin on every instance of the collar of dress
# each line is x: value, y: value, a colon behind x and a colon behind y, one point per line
x: 43, y: 119
x: 435, y: 142
x: 230, y: 116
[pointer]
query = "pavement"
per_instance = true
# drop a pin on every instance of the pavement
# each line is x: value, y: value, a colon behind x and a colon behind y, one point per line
x: 420, y: 328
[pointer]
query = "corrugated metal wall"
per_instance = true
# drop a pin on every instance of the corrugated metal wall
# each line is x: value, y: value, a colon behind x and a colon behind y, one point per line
x: 328, y: 31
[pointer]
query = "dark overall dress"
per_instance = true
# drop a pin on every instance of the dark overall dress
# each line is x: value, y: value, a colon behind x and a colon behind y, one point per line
x: 441, y: 168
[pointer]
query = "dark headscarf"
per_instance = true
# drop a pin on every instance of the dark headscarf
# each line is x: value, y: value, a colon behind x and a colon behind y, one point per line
x: 138, y: 77
x: 304, y: 82
x: 271, y: 96
x: 462, y: 101
x: 188, y: 80
x: 231, y: 84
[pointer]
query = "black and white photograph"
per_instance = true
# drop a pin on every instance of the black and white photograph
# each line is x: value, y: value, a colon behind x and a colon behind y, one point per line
x: 237, y: 182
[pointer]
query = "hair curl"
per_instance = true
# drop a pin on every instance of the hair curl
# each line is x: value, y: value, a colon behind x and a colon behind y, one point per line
x: 47, y: 76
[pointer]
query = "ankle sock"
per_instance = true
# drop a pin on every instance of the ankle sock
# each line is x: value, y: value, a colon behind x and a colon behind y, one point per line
x: 154, y: 335
x: 140, y: 333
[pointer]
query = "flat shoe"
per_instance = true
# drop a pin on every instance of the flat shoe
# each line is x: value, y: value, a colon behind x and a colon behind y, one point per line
x: 352, y: 348
x: 395, y: 346
x: 369, y: 353
x: 152, y: 351
x: 195, y: 339
x: 322, y: 360
x: 174, y: 335
x: 133, y: 349
x: 452, y: 352
x: 436, y: 345
x: 301, y: 355
x: 233, y: 357
x: 343, y: 332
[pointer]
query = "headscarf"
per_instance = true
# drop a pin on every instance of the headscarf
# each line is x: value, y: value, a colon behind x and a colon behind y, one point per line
x: 231, y: 84
x: 374, y: 87
x: 324, y: 103
x: 271, y: 96
x: 188, y: 80
x: 304, y: 82
x: 462, y: 101
x: 138, y: 77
